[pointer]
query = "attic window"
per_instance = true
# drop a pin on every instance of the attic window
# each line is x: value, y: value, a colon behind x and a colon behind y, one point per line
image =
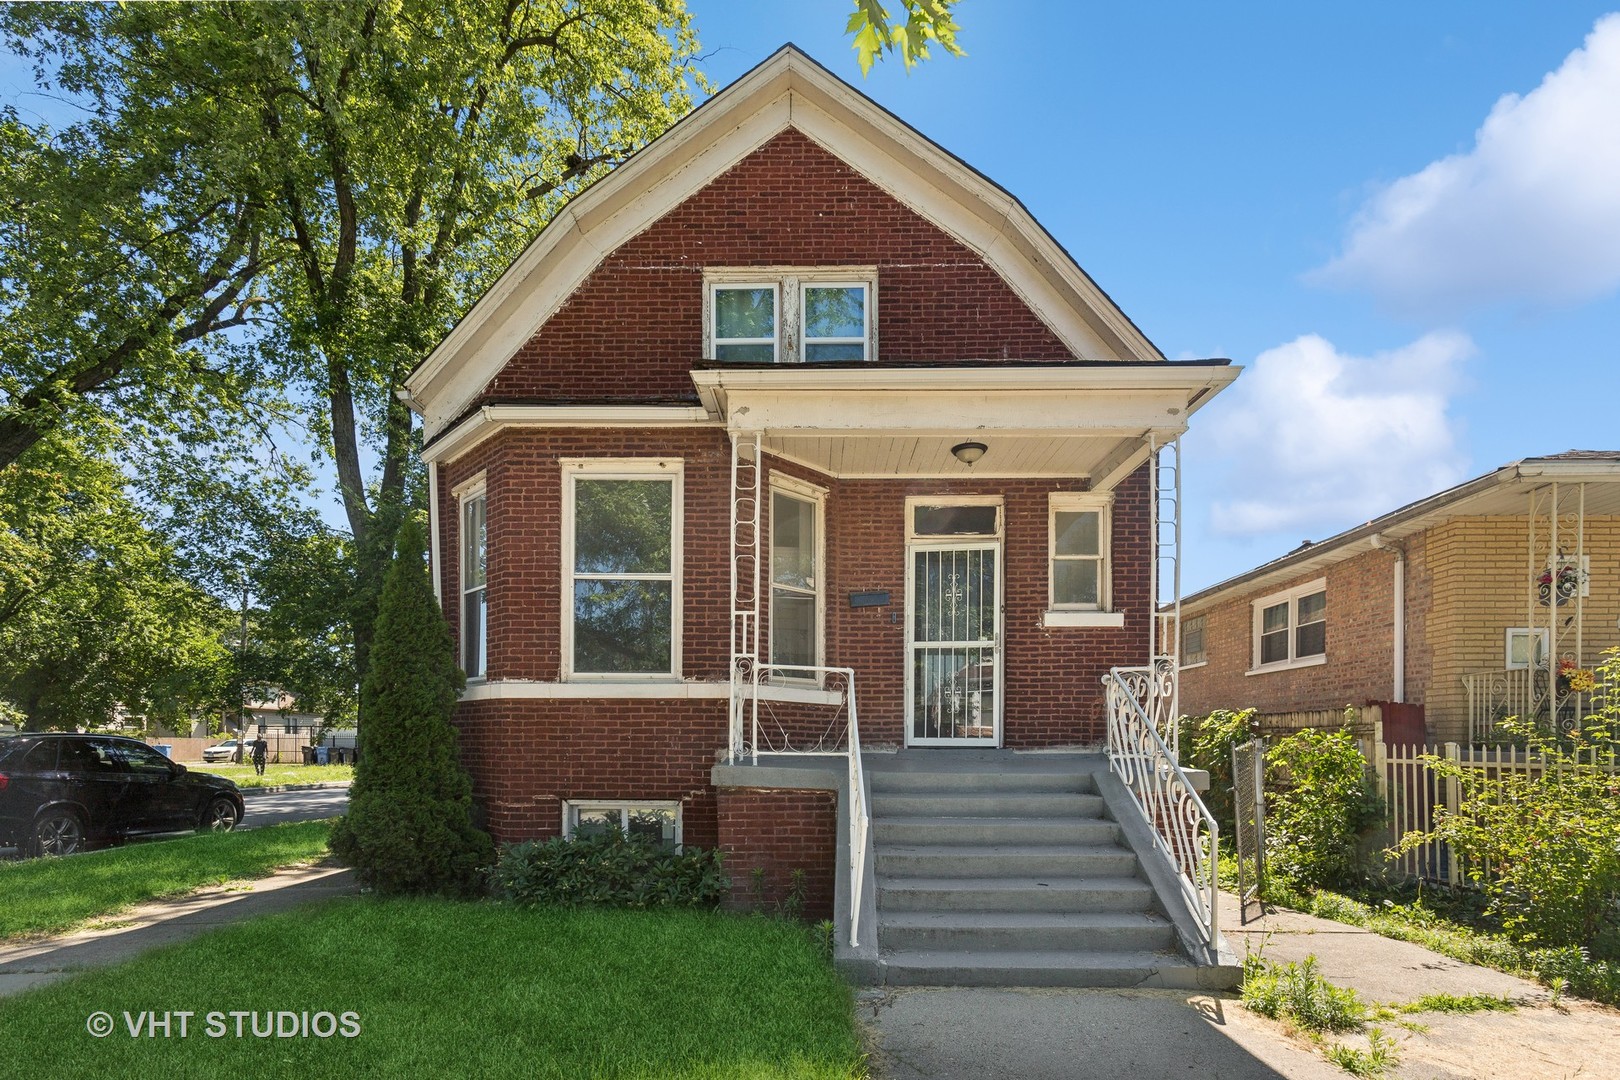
x: 767, y: 315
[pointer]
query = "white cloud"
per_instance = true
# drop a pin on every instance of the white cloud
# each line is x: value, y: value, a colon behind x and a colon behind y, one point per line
x: 1530, y: 215
x: 1318, y: 440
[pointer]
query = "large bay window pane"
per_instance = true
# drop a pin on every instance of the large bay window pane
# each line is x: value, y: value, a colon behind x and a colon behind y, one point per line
x: 622, y: 627
x: 623, y: 576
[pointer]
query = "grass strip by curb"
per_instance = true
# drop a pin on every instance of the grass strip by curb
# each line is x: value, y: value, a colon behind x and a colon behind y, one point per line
x: 51, y: 895
x: 446, y: 988
x: 276, y: 775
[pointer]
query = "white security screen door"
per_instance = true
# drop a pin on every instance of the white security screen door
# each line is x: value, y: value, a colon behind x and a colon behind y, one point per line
x: 953, y: 678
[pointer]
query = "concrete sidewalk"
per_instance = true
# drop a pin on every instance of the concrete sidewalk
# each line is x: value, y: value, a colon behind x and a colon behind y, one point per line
x: 1379, y: 968
x: 164, y: 922
x: 1048, y: 1034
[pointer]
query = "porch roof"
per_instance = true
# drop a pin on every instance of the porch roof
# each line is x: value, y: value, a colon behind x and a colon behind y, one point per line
x: 855, y: 420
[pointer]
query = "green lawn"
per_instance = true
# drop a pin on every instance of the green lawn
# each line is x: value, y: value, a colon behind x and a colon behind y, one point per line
x: 49, y: 895
x: 443, y: 988
x: 279, y: 774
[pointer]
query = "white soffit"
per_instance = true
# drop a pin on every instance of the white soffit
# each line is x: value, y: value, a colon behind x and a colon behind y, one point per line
x: 788, y: 90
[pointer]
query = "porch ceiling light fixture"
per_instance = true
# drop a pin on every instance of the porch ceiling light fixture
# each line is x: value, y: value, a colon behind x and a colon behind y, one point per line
x: 969, y: 452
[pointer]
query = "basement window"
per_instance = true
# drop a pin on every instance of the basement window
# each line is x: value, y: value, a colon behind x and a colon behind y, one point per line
x: 658, y: 822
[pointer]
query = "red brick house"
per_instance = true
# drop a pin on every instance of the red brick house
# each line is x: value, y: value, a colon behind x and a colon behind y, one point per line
x: 1445, y: 607
x: 795, y: 435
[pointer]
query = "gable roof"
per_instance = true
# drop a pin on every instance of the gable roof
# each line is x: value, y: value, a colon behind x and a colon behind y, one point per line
x: 787, y: 90
x: 1500, y: 492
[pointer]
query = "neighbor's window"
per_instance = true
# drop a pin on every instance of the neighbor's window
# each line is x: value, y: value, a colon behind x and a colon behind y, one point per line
x: 659, y: 822
x: 795, y: 581
x: 1291, y: 628
x: 1521, y: 653
x: 815, y: 315
x: 623, y: 552
x: 474, y: 585
x: 1192, y: 641
x: 1078, y: 545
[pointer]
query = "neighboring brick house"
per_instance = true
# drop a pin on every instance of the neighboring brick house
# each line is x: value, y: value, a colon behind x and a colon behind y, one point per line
x: 1464, y: 603
x: 791, y: 391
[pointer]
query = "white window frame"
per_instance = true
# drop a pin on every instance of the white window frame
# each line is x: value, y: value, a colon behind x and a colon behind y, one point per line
x: 671, y: 469
x: 1292, y: 598
x: 794, y: 488
x: 864, y: 340
x: 1537, y: 656
x: 790, y: 283
x: 571, y: 807
x: 711, y: 310
x: 915, y: 501
x: 1101, y: 614
x: 473, y: 489
x: 1182, y: 645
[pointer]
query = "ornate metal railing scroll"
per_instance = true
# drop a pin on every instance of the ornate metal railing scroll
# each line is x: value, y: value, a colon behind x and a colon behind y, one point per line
x: 1183, y: 827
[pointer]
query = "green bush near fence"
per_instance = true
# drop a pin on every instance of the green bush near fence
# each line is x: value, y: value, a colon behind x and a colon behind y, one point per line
x: 1543, y: 845
x: 1210, y: 741
x: 1320, y: 801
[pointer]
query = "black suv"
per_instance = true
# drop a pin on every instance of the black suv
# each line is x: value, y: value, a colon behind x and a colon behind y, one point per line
x: 59, y: 793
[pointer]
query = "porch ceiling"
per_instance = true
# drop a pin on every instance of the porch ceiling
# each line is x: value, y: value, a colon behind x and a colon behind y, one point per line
x: 1082, y: 420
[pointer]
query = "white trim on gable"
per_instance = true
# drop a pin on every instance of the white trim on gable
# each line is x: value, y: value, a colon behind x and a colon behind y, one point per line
x: 788, y: 90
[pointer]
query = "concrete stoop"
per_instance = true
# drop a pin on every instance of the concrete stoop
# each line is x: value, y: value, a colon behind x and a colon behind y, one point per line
x: 1001, y: 869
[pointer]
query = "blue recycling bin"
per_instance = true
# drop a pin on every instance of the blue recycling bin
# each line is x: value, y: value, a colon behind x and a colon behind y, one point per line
x: 321, y: 755
x: 166, y: 749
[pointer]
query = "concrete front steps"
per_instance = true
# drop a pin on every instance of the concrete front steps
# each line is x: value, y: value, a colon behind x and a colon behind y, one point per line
x: 995, y: 869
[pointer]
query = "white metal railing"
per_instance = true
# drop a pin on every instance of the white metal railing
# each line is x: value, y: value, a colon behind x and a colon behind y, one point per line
x: 838, y: 736
x: 1521, y: 692
x: 1155, y: 689
x: 1183, y: 827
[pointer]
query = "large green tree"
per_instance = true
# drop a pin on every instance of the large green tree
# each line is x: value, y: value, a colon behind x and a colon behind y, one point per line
x: 95, y: 609
x: 366, y: 169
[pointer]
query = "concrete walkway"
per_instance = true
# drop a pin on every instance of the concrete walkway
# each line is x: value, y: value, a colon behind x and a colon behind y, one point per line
x: 164, y: 922
x: 947, y: 1033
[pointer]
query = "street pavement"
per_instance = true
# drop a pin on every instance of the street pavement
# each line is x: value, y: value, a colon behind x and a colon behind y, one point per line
x: 281, y: 807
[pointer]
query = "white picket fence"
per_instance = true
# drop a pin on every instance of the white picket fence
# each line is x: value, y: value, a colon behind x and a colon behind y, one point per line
x: 1413, y: 792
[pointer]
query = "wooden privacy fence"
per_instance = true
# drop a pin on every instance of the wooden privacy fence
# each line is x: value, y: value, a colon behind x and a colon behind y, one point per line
x: 1413, y: 793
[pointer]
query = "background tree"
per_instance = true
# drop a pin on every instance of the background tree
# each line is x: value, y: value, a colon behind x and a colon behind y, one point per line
x: 375, y: 166
x: 922, y: 23
x: 409, y: 827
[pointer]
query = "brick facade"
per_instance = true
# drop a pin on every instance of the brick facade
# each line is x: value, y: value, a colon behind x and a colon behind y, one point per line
x: 779, y: 832
x: 633, y: 331
x: 525, y: 753
x: 1467, y: 581
x: 634, y: 327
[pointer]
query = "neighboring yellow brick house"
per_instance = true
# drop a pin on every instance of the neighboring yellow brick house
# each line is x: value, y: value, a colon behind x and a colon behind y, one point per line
x: 1467, y: 603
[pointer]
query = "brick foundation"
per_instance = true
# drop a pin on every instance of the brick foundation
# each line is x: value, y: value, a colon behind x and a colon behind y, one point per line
x: 780, y: 831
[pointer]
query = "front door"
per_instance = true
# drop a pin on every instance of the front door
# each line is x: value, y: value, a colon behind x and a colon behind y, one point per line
x: 953, y: 621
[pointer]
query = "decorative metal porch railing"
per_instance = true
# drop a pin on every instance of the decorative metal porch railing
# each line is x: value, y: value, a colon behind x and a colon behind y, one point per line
x: 1183, y: 827
x: 1156, y: 689
x: 784, y: 723
x: 1495, y: 695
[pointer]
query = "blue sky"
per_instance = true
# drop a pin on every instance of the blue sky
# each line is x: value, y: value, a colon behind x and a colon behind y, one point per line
x: 1403, y: 219
x: 1314, y: 191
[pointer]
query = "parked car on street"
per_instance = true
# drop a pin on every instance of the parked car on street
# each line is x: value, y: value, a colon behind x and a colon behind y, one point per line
x: 62, y: 793
x: 226, y: 751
